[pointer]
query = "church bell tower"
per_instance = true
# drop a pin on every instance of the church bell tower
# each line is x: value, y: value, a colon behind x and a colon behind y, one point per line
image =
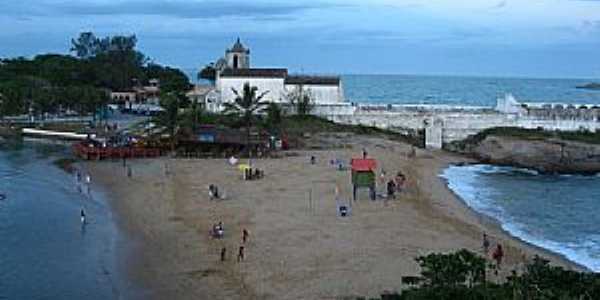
x: 238, y: 56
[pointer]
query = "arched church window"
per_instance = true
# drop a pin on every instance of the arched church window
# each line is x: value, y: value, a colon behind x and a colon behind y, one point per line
x: 235, y: 62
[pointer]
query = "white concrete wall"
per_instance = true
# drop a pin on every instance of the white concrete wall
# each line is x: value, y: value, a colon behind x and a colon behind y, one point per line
x: 321, y: 94
x: 275, y: 86
x: 456, y: 124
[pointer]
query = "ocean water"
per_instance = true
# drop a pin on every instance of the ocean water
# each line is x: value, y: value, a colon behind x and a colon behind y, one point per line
x: 460, y: 90
x: 45, y: 252
x: 456, y: 90
x: 555, y: 212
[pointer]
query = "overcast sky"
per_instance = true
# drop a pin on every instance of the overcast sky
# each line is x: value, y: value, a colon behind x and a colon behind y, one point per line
x: 537, y: 38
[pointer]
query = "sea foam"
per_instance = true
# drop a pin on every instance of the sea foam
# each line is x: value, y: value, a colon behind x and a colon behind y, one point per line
x: 475, y: 184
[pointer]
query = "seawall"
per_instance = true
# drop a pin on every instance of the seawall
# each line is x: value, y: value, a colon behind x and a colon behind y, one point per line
x: 444, y: 124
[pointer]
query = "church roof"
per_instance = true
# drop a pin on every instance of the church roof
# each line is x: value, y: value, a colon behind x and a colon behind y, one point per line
x: 316, y: 80
x: 238, y: 47
x: 255, y: 72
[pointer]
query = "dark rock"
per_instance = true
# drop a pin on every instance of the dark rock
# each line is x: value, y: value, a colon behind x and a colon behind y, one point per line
x: 550, y: 155
x: 590, y: 86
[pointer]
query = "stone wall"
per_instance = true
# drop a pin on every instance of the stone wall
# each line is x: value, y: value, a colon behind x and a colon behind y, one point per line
x: 444, y: 124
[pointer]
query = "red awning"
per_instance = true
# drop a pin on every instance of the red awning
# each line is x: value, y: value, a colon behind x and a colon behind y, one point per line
x: 359, y: 164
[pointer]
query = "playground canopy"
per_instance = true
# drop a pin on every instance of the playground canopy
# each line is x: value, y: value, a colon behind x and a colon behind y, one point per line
x: 363, y: 164
x: 363, y: 175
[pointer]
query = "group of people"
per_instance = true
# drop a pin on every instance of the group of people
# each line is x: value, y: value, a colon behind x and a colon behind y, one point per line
x: 241, y: 249
x: 87, y: 180
x: 253, y: 173
x: 395, y: 185
x: 498, y: 253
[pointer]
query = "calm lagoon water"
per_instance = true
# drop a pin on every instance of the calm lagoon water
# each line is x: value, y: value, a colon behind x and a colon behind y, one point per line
x: 556, y: 212
x: 45, y: 252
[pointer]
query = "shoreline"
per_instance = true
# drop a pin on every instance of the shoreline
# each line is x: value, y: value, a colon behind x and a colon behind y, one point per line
x: 493, y: 223
x: 168, y: 216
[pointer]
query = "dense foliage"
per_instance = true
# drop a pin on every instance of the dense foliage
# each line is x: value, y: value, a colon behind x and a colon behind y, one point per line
x: 461, y: 275
x: 53, y: 83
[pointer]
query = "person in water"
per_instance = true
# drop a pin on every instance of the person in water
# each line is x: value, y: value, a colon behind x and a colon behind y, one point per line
x: 82, y: 216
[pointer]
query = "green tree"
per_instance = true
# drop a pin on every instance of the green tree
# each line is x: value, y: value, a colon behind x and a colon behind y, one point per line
x: 246, y: 104
x: 169, y: 118
x: 171, y: 79
x: 274, y: 117
x: 86, y: 45
x: 301, y: 100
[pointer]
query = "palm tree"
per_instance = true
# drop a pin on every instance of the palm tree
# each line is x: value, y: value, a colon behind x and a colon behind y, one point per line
x: 246, y: 104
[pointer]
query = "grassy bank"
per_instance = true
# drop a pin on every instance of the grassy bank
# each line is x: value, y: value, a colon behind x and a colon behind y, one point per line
x: 298, y: 126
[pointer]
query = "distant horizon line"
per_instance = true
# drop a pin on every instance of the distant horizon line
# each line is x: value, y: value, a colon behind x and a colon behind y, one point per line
x: 532, y: 77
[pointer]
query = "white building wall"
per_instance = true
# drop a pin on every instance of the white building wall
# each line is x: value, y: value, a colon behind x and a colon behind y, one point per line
x: 274, y: 86
x: 321, y: 94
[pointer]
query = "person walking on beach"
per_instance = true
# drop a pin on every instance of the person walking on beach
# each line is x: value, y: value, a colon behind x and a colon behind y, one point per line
x: 486, y: 244
x: 391, y: 189
x: 82, y: 217
x: 240, y: 256
x: 498, y: 255
x: 245, y: 235
x: 223, y: 253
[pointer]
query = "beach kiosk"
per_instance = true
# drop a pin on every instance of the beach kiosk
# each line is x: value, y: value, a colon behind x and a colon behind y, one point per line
x: 363, y: 175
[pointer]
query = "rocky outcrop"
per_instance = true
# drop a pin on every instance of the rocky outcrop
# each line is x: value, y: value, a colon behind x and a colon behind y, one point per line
x: 546, y: 155
x: 590, y: 86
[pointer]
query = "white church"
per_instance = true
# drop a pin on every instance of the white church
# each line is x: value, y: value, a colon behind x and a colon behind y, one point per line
x: 233, y: 71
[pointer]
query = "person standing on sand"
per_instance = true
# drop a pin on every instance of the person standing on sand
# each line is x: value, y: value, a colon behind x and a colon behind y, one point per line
x: 240, y: 256
x: 223, y: 253
x: 498, y: 255
x: 486, y: 244
x: 391, y: 189
x: 245, y: 235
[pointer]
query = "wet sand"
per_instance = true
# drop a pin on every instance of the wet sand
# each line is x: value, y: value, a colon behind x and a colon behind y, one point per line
x: 299, y: 248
